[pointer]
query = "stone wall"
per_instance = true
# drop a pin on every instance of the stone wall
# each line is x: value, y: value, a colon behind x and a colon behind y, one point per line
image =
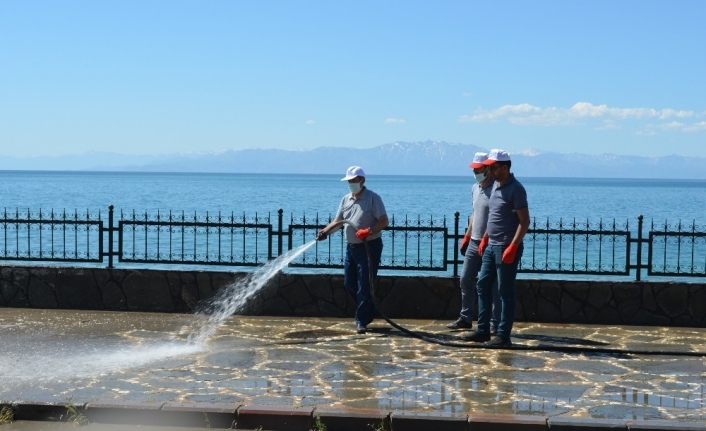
x: 600, y: 302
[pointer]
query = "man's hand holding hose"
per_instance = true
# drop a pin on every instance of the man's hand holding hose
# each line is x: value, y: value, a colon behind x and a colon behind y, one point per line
x: 329, y: 229
x: 362, y: 234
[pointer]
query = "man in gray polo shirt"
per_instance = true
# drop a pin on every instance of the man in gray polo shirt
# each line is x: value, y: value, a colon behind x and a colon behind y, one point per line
x: 501, y: 248
x: 480, y: 193
x: 365, y: 217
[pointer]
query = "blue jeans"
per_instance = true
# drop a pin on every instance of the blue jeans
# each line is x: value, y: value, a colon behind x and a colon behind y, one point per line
x: 491, y: 270
x: 469, y: 295
x: 356, y: 277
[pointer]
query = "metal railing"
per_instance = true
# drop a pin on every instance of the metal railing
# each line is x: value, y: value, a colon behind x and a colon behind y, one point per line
x: 578, y: 248
x: 677, y: 250
x: 193, y: 239
x: 410, y: 244
x: 575, y: 247
x: 51, y: 236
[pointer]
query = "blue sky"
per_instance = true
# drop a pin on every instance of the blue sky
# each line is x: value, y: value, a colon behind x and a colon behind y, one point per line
x: 159, y: 77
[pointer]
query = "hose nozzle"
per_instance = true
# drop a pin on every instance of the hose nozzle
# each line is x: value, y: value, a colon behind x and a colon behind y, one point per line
x: 323, y: 233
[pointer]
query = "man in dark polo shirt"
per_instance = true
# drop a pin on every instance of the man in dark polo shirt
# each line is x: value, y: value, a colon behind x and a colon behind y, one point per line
x: 501, y: 248
x: 365, y: 213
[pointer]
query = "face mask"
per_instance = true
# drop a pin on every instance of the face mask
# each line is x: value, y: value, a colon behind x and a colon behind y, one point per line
x: 355, y: 187
x: 480, y: 177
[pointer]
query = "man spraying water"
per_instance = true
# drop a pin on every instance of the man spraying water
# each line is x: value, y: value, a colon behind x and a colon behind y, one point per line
x: 363, y: 214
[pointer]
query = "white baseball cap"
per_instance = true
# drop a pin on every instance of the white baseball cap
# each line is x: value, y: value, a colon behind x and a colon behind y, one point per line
x: 352, y: 172
x: 497, y: 155
x: 478, y: 159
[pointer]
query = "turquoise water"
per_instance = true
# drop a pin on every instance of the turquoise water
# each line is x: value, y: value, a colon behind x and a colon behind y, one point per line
x: 411, y: 196
x: 409, y: 200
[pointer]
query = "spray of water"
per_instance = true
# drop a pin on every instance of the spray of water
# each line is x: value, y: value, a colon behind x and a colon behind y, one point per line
x: 46, y: 362
x: 235, y: 296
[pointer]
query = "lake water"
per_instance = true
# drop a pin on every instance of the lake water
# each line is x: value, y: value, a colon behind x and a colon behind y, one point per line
x: 413, y: 196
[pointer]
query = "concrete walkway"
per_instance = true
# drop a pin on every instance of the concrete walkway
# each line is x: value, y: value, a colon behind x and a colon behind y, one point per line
x: 277, y: 364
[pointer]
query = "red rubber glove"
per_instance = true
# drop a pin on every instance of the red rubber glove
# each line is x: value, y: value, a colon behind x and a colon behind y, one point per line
x: 463, y: 244
x: 510, y: 253
x: 483, y: 244
x: 361, y: 234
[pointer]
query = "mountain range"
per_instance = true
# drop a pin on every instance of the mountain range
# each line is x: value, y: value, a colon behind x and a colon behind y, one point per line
x: 398, y: 158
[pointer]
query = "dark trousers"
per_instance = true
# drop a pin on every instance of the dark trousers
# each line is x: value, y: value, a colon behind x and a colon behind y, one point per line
x: 356, y: 277
x: 469, y: 294
x: 494, y: 270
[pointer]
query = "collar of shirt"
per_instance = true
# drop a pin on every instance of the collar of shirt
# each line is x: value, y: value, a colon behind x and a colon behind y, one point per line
x: 509, y: 181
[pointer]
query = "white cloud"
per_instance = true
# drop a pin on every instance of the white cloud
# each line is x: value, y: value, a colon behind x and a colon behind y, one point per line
x: 530, y: 152
x: 699, y: 126
x: 673, y: 125
x: 696, y: 127
x: 392, y: 120
x: 584, y: 113
x: 646, y: 132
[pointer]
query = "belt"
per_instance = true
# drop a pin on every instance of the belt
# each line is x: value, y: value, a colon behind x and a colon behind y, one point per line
x: 362, y: 244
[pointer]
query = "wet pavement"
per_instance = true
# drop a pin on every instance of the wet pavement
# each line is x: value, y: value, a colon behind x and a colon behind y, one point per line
x: 64, y: 356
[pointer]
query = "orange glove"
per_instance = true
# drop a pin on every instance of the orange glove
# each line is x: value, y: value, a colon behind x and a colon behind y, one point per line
x: 510, y: 253
x: 463, y: 245
x: 483, y: 244
x: 361, y: 234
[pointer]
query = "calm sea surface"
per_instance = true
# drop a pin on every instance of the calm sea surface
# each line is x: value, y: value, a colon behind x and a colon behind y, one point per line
x: 566, y: 198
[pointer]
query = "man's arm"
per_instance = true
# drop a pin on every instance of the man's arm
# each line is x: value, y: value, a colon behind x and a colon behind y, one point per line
x: 524, y: 218
x: 329, y: 228
x: 381, y: 224
x: 470, y: 226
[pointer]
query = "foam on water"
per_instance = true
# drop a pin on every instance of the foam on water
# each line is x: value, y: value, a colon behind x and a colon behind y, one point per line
x: 235, y: 296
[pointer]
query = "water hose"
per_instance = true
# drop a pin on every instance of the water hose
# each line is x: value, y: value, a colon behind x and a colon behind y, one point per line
x: 520, y: 347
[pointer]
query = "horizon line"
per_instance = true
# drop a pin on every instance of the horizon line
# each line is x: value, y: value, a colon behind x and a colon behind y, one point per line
x: 79, y: 171
x: 527, y: 152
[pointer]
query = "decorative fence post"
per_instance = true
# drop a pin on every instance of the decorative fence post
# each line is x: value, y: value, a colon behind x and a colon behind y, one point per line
x: 110, y: 236
x: 638, y: 264
x: 455, y: 239
x: 279, y: 231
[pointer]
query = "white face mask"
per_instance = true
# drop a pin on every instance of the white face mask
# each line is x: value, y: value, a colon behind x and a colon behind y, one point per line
x: 355, y: 187
x: 481, y: 176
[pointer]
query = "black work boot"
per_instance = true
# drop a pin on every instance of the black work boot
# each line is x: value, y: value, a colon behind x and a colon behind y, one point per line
x: 499, y: 341
x: 476, y: 336
x: 460, y: 324
x: 361, y: 329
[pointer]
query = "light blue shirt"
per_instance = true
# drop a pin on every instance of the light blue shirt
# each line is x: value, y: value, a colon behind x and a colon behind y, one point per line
x: 481, y: 199
x: 365, y: 211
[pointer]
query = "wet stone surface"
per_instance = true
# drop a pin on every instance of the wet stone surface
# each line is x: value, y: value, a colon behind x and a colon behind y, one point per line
x: 73, y: 356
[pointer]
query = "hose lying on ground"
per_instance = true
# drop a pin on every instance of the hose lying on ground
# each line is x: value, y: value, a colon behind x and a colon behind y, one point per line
x: 524, y: 347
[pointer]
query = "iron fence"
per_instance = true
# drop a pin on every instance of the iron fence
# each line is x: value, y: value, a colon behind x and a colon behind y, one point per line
x: 194, y: 239
x: 410, y: 244
x: 578, y: 247
x: 57, y: 236
x: 571, y: 247
x: 678, y: 250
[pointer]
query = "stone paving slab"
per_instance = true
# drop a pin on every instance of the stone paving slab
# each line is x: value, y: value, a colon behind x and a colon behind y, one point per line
x: 278, y: 366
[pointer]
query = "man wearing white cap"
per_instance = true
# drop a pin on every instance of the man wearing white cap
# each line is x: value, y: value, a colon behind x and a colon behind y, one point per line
x: 365, y: 217
x: 501, y: 248
x: 480, y: 193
